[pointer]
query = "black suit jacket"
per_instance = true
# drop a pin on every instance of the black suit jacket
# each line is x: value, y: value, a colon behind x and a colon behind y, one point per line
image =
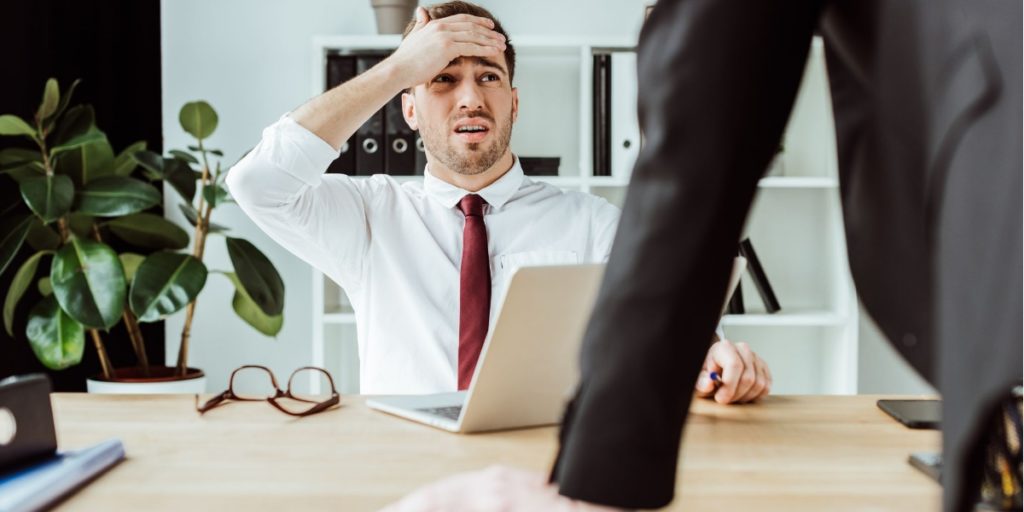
x: 927, y: 102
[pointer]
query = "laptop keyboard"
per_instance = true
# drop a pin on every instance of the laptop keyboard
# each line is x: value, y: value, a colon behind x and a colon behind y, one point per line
x: 451, y: 412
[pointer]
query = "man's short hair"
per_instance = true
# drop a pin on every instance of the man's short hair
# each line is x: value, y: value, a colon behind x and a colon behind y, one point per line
x: 452, y: 8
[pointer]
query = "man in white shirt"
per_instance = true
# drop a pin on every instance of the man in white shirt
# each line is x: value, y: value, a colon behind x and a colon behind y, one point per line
x: 424, y: 264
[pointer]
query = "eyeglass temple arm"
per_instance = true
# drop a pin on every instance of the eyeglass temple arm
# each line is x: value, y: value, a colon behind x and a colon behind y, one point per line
x: 213, y: 402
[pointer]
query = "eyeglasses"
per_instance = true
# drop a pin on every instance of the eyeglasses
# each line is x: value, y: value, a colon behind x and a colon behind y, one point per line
x: 257, y: 383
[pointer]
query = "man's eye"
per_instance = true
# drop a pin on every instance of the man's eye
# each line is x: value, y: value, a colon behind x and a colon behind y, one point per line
x: 443, y: 79
x: 490, y: 77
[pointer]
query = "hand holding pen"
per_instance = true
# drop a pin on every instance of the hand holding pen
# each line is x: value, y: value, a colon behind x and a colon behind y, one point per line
x: 733, y: 373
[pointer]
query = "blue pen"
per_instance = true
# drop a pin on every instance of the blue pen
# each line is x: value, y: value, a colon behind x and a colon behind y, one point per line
x: 715, y: 377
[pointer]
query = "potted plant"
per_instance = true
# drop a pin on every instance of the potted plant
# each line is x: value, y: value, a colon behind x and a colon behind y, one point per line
x: 79, y: 196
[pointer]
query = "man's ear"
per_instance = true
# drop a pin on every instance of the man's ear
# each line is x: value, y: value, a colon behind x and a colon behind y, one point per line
x: 515, y: 104
x: 409, y: 110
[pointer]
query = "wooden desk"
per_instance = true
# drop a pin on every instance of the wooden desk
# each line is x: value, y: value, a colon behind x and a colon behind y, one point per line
x: 788, y: 454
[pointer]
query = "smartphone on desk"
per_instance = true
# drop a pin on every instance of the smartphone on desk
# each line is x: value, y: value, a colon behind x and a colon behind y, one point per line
x: 26, y: 421
x: 914, y: 413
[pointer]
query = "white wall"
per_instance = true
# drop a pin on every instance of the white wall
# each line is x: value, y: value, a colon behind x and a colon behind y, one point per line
x: 250, y: 59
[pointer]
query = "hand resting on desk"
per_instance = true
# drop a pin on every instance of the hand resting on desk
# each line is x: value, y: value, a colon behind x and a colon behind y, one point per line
x: 744, y: 375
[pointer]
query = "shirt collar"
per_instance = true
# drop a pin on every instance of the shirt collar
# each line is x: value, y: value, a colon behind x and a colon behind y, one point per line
x: 496, y: 194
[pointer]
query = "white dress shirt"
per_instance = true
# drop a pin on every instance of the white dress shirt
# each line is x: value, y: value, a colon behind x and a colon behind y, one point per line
x: 396, y: 248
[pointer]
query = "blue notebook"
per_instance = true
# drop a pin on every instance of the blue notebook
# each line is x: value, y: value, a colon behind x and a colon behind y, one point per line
x: 39, y: 485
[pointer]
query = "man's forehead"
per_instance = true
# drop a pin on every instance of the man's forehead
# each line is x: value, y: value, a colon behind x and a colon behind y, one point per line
x: 479, y: 61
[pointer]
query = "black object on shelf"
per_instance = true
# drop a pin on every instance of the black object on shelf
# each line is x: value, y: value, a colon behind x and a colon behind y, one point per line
x: 421, y: 156
x: 736, y: 302
x: 540, y: 165
x: 771, y: 303
x: 602, y: 114
x: 400, y: 141
x: 370, y: 136
x: 340, y: 69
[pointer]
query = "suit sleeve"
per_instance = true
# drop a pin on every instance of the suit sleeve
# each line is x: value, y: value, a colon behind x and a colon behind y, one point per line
x: 717, y: 79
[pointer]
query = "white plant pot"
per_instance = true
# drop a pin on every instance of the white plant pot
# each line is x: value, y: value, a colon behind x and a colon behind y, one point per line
x: 195, y: 382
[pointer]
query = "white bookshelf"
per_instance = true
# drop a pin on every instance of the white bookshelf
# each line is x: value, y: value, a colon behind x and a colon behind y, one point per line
x: 795, y: 226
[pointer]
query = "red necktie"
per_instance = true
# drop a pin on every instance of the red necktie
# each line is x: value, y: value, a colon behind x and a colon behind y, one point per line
x: 474, y: 288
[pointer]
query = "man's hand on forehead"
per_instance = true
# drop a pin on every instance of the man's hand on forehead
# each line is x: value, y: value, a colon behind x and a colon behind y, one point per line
x: 433, y: 44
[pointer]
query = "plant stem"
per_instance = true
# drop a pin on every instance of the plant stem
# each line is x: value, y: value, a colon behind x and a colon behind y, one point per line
x: 202, y: 223
x: 130, y: 324
x: 108, y: 370
x: 185, y: 336
x: 41, y: 142
x: 135, y: 334
x: 62, y: 224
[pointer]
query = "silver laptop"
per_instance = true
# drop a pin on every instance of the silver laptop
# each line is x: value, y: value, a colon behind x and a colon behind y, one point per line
x: 528, y: 367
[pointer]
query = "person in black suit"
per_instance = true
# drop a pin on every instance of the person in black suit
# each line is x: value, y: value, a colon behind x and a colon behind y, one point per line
x: 927, y: 102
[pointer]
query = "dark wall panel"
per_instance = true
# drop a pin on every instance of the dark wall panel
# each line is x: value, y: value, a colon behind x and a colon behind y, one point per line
x: 114, y: 47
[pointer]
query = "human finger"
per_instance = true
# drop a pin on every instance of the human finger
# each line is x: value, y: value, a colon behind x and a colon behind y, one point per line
x: 738, y: 383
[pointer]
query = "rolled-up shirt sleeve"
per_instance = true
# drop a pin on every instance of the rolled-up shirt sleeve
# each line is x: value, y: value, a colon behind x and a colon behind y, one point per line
x: 282, y: 187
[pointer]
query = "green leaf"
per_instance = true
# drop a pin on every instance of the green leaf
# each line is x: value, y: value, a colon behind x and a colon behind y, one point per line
x: 22, y: 279
x: 19, y: 155
x: 65, y: 99
x: 179, y: 175
x: 215, y: 194
x: 192, y: 216
x: 12, y: 240
x: 57, y: 340
x: 22, y: 171
x: 80, y: 119
x: 49, y: 197
x: 190, y: 213
x: 198, y: 119
x: 21, y: 164
x: 44, y: 286
x: 87, y: 162
x: 217, y: 152
x: 130, y: 261
x: 125, y: 162
x: 80, y: 224
x: 51, y: 98
x: 152, y: 163
x: 14, y: 125
x: 42, y: 237
x: 181, y: 155
x: 112, y: 196
x: 164, y: 284
x: 88, y: 281
x: 78, y: 141
x: 149, y: 230
x: 258, y: 275
x: 247, y: 310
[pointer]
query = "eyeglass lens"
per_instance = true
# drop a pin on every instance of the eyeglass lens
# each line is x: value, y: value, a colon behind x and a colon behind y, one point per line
x: 310, y: 384
x: 252, y: 383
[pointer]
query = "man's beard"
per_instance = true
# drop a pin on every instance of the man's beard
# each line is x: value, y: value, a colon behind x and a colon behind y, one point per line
x: 475, y: 159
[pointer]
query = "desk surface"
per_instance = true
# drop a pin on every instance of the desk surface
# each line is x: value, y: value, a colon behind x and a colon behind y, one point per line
x: 787, y: 453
